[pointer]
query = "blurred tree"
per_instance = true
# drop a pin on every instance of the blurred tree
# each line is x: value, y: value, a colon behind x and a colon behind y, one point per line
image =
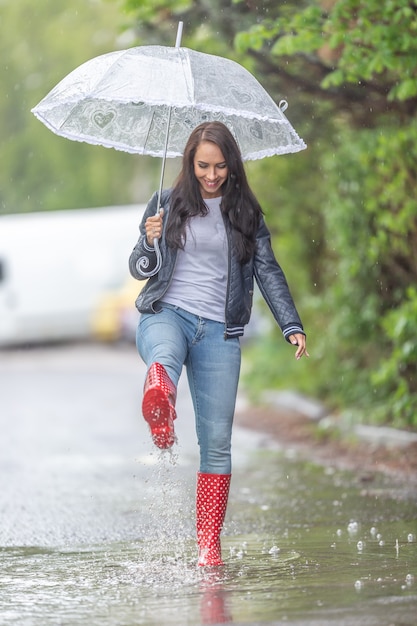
x: 362, y: 57
x: 39, y: 44
x: 346, y: 209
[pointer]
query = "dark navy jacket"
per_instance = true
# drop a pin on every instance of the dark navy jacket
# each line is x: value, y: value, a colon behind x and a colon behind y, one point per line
x: 262, y: 266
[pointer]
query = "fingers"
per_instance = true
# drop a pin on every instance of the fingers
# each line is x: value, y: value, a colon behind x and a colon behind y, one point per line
x: 299, y: 340
x: 153, y: 227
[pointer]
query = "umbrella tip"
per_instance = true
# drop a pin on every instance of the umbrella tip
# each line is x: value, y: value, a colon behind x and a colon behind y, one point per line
x: 179, y: 34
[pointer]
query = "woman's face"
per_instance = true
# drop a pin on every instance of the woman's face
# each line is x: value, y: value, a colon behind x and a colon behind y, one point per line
x: 210, y: 169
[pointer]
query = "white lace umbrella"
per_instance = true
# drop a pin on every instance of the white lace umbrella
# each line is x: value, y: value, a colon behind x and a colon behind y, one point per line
x: 147, y: 100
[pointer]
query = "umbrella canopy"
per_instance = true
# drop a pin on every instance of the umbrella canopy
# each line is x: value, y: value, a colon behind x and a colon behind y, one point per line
x: 147, y: 100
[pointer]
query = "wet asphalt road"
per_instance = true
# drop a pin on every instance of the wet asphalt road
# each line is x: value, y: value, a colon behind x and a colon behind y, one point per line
x: 76, y: 456
x: 97, y: 525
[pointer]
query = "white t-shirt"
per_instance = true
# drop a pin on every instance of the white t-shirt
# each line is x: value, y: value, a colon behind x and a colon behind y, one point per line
x: 199, y: 282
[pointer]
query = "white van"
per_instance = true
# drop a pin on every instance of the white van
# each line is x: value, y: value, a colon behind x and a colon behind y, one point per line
x: 55, y: 266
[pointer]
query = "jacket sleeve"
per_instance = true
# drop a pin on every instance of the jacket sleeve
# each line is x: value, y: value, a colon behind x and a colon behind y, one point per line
x: 143, y: 259
x: 273, y: 285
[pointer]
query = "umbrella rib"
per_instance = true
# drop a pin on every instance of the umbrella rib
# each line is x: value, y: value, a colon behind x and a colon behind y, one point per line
x: 149, y: 131
x: 164, y: 157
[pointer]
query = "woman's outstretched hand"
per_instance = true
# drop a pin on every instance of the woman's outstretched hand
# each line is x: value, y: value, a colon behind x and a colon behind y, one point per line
x: 298, y: 339
x: 153, y: 227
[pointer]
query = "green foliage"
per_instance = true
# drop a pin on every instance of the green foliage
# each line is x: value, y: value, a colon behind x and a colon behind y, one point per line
x: 40, y: 43
x: 342, y: 214
x: 296, y: 227
x: 306, y: 21
x: 357, y: 41
x: 375, y: 38
x: 366, y: 353
x: 395, y: 376
x: 209, y: 26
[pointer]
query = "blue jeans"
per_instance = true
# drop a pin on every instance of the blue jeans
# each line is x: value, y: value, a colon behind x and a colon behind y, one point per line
x: 174, y: 337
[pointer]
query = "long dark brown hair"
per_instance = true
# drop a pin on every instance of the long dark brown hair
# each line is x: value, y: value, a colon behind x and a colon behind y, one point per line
x: 238, y: 204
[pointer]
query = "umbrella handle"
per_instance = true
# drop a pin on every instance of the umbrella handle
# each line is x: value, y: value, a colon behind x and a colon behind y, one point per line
x: 158, y: 256
x: 142, y: 263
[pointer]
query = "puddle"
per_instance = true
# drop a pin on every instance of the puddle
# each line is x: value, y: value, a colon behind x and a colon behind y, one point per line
x: 302, y: 545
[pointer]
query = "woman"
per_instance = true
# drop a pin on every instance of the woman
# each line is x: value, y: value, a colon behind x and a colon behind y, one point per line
x: 213, y: 242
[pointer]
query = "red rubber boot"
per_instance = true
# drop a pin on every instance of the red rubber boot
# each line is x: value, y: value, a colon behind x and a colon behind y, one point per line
x: 159, y: 395
x: 211, y: 503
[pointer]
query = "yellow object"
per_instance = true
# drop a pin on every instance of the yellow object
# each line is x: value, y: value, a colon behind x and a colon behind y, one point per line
x: 115, y: 317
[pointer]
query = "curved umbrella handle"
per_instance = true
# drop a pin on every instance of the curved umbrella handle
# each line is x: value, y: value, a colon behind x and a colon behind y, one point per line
x: 158, y: 257
x: 142, y: 263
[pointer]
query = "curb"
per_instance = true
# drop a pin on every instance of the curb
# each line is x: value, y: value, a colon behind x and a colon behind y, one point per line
x: 319, y: 414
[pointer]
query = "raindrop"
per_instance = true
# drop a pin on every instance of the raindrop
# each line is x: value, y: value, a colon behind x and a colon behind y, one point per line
x: 379, y: 536
x: 353, y: 527
x: 339, y: 532
x: 409, y: 579
x: 381, y: 543
x: 274, y: 550
x: 358, y: 585
x: 411, y: 538
x: 359, y: 546
x: 373, y: 531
